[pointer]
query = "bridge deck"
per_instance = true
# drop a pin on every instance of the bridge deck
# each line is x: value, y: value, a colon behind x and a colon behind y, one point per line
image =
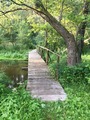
x: 40, y: 83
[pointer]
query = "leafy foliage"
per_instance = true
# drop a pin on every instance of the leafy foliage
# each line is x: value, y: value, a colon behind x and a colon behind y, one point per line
x: 19, y: 105
x: 13, y: 55
x: 76, y: 74
x: 4, y: 82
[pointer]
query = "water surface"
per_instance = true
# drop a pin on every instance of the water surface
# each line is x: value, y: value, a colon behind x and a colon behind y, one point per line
x: 13, y: 69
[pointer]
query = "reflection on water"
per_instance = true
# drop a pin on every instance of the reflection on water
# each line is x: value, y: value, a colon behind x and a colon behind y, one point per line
x: 14, y: 70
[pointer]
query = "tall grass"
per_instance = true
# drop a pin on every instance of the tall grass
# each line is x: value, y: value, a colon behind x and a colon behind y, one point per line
x: 14, y: 55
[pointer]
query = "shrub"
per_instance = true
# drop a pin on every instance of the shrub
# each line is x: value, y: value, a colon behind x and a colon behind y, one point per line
x: 79, y: 73
x: 4, y: 82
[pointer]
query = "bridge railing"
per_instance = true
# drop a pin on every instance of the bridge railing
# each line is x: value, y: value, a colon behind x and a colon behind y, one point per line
x: 47, y: 58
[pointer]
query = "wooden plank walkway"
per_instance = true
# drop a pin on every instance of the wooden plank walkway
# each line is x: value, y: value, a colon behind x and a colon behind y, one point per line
x: 40, y: 83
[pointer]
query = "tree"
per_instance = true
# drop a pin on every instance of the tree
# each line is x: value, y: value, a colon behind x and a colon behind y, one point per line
x: 74, y: 48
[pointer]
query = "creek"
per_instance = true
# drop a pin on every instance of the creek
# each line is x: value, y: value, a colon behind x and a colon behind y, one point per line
x: 15, y: 70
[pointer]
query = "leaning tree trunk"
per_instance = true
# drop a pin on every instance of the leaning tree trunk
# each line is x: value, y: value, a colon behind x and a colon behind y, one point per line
x: 72, y: 51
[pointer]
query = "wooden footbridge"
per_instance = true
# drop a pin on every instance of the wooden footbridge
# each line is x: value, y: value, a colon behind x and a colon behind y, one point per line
x: 40, y: 83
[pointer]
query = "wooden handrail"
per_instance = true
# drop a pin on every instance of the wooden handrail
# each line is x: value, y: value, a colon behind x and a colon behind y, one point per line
x: 49, y: 50
x: 47, y: 59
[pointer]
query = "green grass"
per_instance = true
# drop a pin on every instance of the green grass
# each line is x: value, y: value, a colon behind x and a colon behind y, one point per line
x: 13, y: 55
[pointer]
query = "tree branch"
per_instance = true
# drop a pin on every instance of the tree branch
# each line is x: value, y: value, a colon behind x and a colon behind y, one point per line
x: 61, y: 11
x: 8, y: 11
x: 24, y: 4
x: 2, y: 26
x: 16, y: 3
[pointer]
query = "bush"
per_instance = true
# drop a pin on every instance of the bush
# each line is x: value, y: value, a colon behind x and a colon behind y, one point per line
x: 2, y: 47
x: 79, y: 73
x: 4, y: 83
x: 4, y: 79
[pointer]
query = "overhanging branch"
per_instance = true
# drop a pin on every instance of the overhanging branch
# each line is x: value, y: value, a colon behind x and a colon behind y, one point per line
x: 24, y: 4
x: 40, y: 13
x: 8, y: 11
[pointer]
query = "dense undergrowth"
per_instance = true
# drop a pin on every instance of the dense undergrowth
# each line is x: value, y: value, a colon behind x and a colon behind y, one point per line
x: 17, y: 104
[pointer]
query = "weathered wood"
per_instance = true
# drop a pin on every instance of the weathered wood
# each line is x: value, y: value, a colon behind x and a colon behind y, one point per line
x: 40, y: 83
x: 48, y: 50
x: 57, y: 68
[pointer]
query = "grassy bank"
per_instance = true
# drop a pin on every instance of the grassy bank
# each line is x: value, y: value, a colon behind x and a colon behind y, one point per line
x: 14, y: 55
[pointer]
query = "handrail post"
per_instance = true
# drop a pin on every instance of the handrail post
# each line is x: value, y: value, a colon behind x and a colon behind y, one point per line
x: 38, y: 49
x: 41, y: 52
x: 57, y: 68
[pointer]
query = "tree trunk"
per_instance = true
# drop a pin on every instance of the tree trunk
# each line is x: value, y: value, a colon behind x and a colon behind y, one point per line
x: 81, y: 30
x: 72, y: 52
x: 80, y: 39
